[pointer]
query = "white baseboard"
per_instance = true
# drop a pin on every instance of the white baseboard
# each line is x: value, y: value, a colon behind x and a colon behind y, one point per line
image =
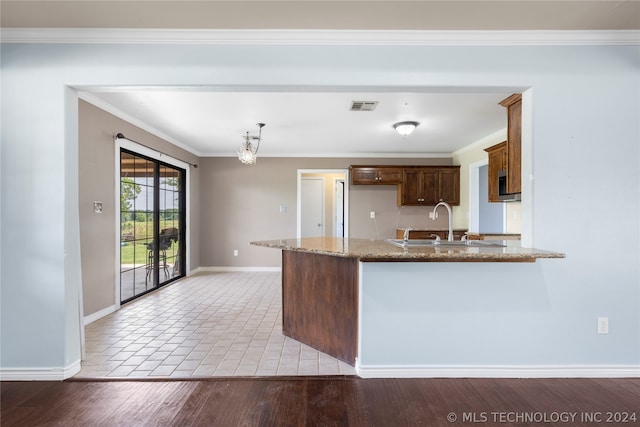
x: 231, y: 269
x: 39, y: 374
x: 98, y: 314
x: 495, y: 371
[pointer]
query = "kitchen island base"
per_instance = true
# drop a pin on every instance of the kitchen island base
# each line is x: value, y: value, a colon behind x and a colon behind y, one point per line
x: 320, y: 302
x: 438, y: 310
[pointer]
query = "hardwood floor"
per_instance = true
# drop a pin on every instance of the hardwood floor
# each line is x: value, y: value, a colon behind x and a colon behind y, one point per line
x: 322, y: 401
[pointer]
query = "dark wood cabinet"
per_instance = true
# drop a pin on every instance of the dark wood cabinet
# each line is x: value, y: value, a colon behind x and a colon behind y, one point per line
x: 426, y: 186
x: 497, y: 162
x: 376, y: 175
x: 449, y: 185
x: 428, y: 234
x: 513, y: 104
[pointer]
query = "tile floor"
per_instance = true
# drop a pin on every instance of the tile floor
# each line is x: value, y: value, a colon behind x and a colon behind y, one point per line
x: 212, y: 324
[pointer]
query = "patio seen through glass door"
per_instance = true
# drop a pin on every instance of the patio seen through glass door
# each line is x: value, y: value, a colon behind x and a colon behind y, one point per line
x: 152, y: 227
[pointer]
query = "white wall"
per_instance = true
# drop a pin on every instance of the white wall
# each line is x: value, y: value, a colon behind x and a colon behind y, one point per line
x: 585, y: 165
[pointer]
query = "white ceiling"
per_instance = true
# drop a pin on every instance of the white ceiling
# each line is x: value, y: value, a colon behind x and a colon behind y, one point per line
x: 211, y: 123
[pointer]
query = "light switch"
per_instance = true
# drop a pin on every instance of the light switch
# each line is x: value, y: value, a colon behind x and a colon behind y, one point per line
x: 97, y: 207
x: 603, y: 325
x: 372, y: 214
x: 283, y: 208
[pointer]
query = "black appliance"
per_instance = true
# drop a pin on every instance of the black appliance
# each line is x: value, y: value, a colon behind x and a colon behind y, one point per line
x: 503, y: 196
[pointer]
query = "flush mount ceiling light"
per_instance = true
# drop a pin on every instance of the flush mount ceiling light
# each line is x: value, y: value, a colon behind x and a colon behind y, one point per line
x: 405, y: 128
x: 248, y: 152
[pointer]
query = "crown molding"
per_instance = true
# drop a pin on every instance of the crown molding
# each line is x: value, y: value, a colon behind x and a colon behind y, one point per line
x: 318, y: 37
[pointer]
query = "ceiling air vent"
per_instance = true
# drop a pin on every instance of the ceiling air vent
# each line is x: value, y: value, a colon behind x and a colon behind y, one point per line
x: 363, y: 105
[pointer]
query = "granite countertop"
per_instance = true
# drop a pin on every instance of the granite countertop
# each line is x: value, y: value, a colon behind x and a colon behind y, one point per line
x: 380, y: 250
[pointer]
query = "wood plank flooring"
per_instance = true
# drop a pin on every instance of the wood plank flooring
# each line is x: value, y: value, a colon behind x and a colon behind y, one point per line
x: 321, y: 401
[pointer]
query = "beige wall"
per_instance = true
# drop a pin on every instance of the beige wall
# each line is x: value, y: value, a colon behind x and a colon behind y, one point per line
x: 96, y: 171
x: 231, y: 204
x: 240, y: 204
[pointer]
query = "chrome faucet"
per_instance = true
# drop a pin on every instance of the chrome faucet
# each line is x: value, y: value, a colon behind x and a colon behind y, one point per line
x: 446, y: 205
x: 406, y: 234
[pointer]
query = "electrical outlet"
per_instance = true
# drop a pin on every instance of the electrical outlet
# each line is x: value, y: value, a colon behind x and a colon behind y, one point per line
x: 97, y: 207
x: 433, y: 215
x: 372, y: 214
x: 235, y: 252
x: 283, y: 208
x: 603, y: 325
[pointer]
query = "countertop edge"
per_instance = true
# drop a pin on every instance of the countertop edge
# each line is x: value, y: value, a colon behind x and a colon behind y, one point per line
x: 394, y: 255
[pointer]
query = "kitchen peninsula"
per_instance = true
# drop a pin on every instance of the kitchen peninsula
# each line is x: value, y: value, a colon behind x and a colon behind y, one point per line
x: 369, y: 302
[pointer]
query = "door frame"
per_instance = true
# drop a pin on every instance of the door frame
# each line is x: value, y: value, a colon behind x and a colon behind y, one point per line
x: 155, y: 155
x: 343, y: 181
x: 299, y: 197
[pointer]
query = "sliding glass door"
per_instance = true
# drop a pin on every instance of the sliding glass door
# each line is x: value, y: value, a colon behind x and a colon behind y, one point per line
x: 152, y: 224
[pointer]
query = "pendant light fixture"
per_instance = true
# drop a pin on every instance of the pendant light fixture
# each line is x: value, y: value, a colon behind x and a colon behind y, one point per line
x: 405, y: 128
x: 248, y: 152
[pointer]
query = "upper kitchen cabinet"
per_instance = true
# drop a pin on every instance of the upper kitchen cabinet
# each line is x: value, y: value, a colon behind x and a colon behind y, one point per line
x: 497, y: 162
x: 513, y: 104
x: 426, y: 186
x: 380, y: 175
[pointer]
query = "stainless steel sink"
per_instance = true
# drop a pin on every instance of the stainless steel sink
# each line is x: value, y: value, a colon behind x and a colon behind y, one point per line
x: 418, y: 243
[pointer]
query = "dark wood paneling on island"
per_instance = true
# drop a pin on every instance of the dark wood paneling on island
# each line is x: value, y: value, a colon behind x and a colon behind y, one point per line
x: 320, y: 302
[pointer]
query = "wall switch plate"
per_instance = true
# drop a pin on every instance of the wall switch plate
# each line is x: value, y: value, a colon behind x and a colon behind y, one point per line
x: 97, y: 207
x: 603, y: 325
x: 372, y: 214
x: 283, y: 208
x: 235, y: 252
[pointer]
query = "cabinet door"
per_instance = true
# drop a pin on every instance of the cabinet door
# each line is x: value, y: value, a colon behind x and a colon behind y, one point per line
x: 514, y: 147
x: 430, y: 187
x: 363, y: 176
x: 449, y: 186
x: 411, y: 189
x: 427, y: 186
x: 389, y: 176
x: 495, y: 165
x: 497, y: 156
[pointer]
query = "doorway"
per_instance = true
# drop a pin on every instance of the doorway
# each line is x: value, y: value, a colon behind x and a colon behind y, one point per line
x: 491, y: 216
x: 484, y: 217
x: 312, y: 206
x: 323, y: 203
x: 152, y: 224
